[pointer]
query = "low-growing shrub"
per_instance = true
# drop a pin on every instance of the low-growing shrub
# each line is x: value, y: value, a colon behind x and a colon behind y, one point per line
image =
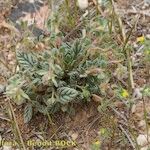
x: 52, y: 80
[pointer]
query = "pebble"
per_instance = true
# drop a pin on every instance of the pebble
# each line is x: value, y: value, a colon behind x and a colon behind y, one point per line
x: 2, y: 88
x: 9, y: 57
x: 83, y: 4
x: 137, y: 93
x: 12, y: 63
x: 147, y: 1
x: 5, y: 147
x: 142, y: 139
x: 148, y: 36
x: 142, y: 125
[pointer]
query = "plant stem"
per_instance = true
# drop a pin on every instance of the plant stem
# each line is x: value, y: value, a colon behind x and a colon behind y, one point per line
x: 127, y: 135
x: 145, y: 118
x: 98, y: 7
x: 119, y: 21
x: 50, y: 119
x: 16, y: 124
x: 128, y: 54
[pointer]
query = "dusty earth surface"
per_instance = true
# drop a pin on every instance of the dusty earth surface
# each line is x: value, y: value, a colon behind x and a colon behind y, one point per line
x: 84, y: 126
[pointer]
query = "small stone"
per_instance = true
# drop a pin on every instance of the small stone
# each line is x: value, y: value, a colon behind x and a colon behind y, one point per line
x: 2, y: 88
x: 9, y: 57
x: 137, y: 93
x: 142, y: 139
x: 135, y: 45
x: 133, y: 109
x: 6, y: 147
x: 31, y: 1
x: 12, y: 63
x: 144, y: 148
x: 74, y: 136
x: 83, y: 4
x: 147, y: 1
x: 142, y: 124
x: 148, y: 36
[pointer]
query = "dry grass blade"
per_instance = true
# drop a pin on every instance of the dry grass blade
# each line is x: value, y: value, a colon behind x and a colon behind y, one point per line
x: 119, y: 114
x: 98, y: 7
x: 128, y: 55
x: 16, y: 124
x: 4, y: 118
x: 125, y: 39
x: 121, y: 28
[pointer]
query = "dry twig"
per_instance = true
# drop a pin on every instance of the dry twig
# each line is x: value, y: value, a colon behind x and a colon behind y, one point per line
x: 127, y: 135
x: 12, y: 114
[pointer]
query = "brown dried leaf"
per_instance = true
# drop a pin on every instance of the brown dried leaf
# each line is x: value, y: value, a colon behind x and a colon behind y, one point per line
x: 9, y: 27
x: 96, y: 98
x: 93, y: 71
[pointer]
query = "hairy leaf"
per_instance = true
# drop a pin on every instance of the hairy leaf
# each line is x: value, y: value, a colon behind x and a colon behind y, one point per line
x: 41, y: 108
x: 17, y: 94
x: 26, y: 60
x: 28, y: 113
x: 67, y: 94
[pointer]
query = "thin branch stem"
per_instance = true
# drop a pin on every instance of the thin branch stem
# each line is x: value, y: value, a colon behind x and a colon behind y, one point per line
x: 98, y: 7
x: 145, y: 118
x: 16, y: 124
x: 127, y: 135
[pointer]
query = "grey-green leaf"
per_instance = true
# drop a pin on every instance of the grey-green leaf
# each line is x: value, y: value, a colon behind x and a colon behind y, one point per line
x: 28, y: 113
x: 67, y: 94
x: 26, y: 60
